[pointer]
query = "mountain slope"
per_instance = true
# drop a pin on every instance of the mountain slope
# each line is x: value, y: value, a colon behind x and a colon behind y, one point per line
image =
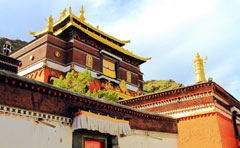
x: 153, y: 86
x: 16, y: 44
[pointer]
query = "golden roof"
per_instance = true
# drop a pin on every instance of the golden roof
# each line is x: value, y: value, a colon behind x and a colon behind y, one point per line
x: 81, y: 19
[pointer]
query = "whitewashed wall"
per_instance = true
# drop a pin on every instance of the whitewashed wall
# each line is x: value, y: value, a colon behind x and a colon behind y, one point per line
x: 148, y: 139
x: 23, y: 132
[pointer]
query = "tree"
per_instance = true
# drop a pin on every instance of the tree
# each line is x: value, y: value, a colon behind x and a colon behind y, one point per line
x: 80, y: 82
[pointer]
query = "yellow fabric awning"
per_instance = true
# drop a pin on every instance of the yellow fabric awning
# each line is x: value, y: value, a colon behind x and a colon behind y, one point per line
x: 103, y: 124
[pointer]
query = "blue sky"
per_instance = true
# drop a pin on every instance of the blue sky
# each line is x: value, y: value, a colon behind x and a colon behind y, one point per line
x: 169, y: 31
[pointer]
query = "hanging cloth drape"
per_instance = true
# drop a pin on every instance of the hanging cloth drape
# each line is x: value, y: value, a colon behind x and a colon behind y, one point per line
x: 103, y: 124
x: 109, y: 69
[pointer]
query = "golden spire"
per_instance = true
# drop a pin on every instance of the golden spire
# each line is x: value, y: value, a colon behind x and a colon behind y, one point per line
x: 70, y: 10
x: 82, y: 18
x: 63, y: 14
x: 97, y: 27
x: 199, y: 69
x: 50, y: 24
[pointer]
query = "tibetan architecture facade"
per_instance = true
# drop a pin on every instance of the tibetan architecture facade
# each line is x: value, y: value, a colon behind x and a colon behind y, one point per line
x: 36, y: 114
x: 72, y: 44
x: 208, y: 114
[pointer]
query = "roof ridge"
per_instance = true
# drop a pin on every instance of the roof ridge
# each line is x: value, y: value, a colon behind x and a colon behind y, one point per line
x: 83, y: 22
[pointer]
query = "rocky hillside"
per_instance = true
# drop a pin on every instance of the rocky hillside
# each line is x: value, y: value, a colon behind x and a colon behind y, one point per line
x: 153, y: 86
x: 16, y: 44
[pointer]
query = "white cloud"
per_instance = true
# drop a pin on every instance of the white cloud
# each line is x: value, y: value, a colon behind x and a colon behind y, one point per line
x: 159, y: 18
x: 172, y: 31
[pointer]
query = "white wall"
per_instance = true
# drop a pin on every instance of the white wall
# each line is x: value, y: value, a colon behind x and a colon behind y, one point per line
x: 148, y: 139
x: 24, y: 132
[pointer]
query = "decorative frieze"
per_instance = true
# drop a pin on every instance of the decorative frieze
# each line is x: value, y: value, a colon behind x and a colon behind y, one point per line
x: 33, y: 114
x: 188, y: 111
x: 175, y: 100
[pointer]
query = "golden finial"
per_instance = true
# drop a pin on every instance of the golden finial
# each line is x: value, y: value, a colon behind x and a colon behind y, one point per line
x: 44, y: 63
x: 31, y: 33
x: 128, y: 41
x: 72, y: 67
x: 63, y: 14
x: 50, y: 24
x: 82, y: 18
x: 199, y: 69
x: 97, y: 27
x: 70, y: 10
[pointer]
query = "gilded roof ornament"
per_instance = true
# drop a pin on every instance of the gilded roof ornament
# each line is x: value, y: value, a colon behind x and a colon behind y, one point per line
x: 50, y: 24
x: 82, y: 18
x: 199, y: 69
x: 74, y: 21
x: 128, y: 41
x: 70, y: 10
x: 63, y: 14
x: 44, y: 63
x: 72, y: 67
x: 97, y: 27
x: 31, y: 33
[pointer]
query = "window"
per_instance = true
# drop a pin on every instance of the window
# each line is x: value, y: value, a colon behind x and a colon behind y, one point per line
x: 109, y: 68
x: 89, y: 61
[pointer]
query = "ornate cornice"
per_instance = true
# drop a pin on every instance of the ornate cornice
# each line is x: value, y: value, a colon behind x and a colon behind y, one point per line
x: 190, y: 111
x: 182, y: 91
x: 7, y: 110
x: 174, y: 100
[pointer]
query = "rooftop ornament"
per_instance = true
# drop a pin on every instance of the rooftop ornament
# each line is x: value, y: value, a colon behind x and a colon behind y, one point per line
x: 63, y: 14
x: 70, y: 10
x: 50, y: 24
x: 199, y: 69
x: 58, y: 27
x: 82, y: 18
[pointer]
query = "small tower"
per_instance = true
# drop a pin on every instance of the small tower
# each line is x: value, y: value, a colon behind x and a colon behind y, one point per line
x: 82, y: 18
x: 199, y: 69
